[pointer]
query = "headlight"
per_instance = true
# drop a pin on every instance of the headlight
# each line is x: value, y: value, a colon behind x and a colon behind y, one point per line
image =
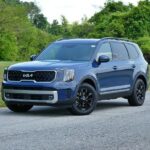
x: 5, y: 74
x: 68, y: 75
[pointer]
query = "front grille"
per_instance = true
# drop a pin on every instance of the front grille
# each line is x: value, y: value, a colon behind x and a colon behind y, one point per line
x: 38, y: 76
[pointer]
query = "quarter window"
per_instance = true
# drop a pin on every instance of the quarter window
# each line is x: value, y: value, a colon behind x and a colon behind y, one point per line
x: 132, y: 51
x: 119, y: 51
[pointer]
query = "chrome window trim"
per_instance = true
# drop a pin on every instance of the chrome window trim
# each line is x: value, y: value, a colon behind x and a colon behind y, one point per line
x: 33, y: 72
x: 38, y: 92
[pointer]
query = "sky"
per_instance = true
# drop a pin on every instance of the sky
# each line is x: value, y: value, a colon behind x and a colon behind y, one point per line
x: 73, y: 10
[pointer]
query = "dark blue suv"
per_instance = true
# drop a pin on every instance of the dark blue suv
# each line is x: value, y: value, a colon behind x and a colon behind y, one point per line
x: 76, y: 73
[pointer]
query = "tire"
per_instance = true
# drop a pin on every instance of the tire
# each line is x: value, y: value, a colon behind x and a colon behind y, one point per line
x: 138, y: 95
x: 19, y: 108
x: 86, y: 100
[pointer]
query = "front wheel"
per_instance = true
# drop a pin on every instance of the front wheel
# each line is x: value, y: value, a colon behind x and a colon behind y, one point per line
x: 86, y: 100
x: 138, y: 95
x: 19, y: 108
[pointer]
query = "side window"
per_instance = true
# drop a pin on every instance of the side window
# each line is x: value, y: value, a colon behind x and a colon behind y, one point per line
x: 105, y: 49
x: 132, y: 51
x: 119, y: 51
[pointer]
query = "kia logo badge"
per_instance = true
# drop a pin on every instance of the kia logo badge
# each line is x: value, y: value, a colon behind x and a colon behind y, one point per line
x: 27, y: 75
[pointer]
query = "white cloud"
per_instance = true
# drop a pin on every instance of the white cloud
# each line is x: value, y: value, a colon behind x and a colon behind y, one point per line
x: 73, y: 10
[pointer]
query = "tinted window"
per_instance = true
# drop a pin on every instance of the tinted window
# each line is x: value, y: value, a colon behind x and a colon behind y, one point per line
x: 119, y: 51
x: 105, y: 49
x: 68, y: 51
x: 132, y: 51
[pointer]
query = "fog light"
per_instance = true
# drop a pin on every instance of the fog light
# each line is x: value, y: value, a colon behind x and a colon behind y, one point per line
x: 51, y: 97
x: 7, y: 95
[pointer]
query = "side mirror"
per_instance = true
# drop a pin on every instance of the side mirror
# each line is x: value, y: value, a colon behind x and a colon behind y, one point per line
x: 32, y: 57
x: 103, y: 58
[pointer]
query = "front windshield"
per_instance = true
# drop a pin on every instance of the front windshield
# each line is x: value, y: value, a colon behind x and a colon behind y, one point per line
x: 68, y: 51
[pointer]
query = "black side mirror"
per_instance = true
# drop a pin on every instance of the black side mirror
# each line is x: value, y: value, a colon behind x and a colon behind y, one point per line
x: 103, y: 58
x: 32, y: 57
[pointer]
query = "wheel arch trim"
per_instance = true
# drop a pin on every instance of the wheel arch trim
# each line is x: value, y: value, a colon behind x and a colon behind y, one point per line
x: 89, y: 77
x: 142, y: 76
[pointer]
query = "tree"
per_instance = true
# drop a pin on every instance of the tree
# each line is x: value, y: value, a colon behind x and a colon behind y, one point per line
x: 19, y: 38
x: 82, y: 30
x: 137, y: 22
x: 65, y: 27
x: 40, y: 21
x: 31, y: 9
x: 24, y: 30
x: 55, y: 28
x: 8, y: 46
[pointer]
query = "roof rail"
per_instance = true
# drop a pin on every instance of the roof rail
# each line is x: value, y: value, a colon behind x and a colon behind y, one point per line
x: 114, y: 38
x: 60, y: 39
x: 66, y: 38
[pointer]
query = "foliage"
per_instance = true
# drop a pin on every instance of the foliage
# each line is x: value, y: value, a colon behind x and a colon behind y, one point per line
x: 24, y: 30
x: 19, y: 38
x: 119, y: 20
x: 144, y: 43
x: 2, y: 66
x: 8, y: 46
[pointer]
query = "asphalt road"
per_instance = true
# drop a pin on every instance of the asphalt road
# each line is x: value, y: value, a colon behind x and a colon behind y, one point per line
x: 112, y: 126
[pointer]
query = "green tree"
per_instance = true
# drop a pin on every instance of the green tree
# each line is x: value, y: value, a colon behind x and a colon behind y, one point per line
x: 40, y: 21
x: 8, y: 47
x: 83, y: 30
x: 137, y: 21
x: 24, y: 30
x: 65, y: 27
x: 144, y: 43
x: 19, y: 37
x: 55, y: 28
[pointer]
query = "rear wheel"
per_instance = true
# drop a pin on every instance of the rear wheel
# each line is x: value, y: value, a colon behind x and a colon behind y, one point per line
x: 19, y: 107
x: 138, y: 95
x: 85, y: 100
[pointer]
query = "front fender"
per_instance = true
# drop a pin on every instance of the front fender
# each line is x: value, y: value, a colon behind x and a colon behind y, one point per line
x: 88, y: 77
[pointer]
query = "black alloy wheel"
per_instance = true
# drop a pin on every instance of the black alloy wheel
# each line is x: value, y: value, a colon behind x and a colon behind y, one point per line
x: 85, y: 100
x: 138, y: 96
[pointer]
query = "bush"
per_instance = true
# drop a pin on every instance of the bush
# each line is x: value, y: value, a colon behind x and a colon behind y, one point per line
x: 144, y: 43
x: 8, y: 47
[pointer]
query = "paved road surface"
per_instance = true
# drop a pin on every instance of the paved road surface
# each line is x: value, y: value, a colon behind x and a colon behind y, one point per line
x: 112, y: 126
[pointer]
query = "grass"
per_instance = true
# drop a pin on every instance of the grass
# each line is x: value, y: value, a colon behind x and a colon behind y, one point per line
x: 6, y: 64
x: 2, y: 66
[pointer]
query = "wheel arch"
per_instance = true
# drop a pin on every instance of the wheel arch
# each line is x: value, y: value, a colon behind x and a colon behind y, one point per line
x: 90, y: 80
x: 143, y: 77
x: 87, y: 79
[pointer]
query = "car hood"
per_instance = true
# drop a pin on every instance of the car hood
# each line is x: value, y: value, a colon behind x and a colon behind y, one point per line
x: 48, y: 65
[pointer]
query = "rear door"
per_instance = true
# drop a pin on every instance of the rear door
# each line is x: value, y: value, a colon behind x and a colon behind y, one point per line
x: 122, y: 66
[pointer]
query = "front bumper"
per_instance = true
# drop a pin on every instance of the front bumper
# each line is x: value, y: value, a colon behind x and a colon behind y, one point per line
x: 30, y: 96
x: 38, y: 94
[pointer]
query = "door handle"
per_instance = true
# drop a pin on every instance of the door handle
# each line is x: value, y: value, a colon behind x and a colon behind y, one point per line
x: 115, y: 67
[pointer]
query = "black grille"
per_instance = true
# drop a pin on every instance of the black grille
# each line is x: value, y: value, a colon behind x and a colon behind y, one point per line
x: 28, y: 96
x: 38, y: 76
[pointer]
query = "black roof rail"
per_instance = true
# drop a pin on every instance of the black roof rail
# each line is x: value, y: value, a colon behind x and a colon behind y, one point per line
x: 67, y: 38
x: 60, y: 39
x: 114, y: 38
